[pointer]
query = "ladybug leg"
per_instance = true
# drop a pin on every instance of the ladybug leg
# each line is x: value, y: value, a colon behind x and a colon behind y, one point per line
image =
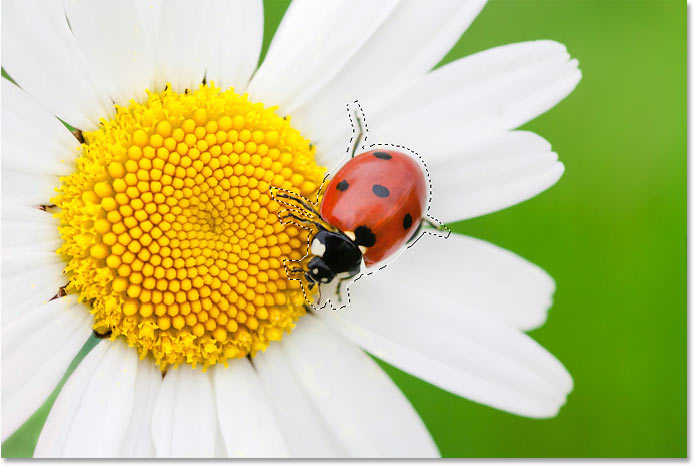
x: 311, y: 283
x: 338, y: 289
x: 304, y: 204
x: 295, y: 271
x: 415, y: 234
x: 358, y: 135
x: 341, y: 285
x: 428, y: 224
x: 300, y: 273
x: 302, y: 220
x: 433, y: 226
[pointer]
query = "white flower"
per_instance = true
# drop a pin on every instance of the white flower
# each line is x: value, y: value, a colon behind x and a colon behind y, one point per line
x: 450, y: 312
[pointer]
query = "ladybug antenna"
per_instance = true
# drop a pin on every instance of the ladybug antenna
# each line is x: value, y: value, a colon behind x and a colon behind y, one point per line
x: 303, y: 203
x: 302, y: 220
x: 358, y: 133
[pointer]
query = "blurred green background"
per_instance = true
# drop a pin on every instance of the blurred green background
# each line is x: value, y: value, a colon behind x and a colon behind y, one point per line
x: 612, y: 233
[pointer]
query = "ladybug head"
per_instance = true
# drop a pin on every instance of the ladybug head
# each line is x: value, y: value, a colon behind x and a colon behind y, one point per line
x: 319, y: 272
x: 334, y: 254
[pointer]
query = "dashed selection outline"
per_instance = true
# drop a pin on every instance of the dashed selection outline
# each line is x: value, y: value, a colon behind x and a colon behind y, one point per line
x: 293, y: 209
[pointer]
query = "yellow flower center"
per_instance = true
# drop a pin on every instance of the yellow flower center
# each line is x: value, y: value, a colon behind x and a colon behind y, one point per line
x: 171, y: 234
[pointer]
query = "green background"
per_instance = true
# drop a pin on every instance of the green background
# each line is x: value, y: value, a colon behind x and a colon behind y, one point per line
x: 612, y: 233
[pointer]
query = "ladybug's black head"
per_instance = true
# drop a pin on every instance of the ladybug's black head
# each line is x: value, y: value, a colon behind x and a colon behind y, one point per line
x: 334, y: 255
x: 319, y: 272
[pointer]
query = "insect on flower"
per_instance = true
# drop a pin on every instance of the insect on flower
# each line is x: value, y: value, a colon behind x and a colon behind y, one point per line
x: 374, y: 205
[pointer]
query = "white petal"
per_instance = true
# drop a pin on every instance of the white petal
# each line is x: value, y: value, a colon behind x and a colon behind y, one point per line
x: 409, y: 43
x: 149, y: 12
x: 138, y: 438
x: 33, y: 139
x: 356, y: 399
x: 502, y: 170
x: 38, y: 218
x: 220, y: 450
x: 29, y: 189
x: 11, y: 310
x: 305, y: 432
x: 56, y: 430
x: 238, y: 46
x: 25, y: 228
x: 16, y: 261
x: 497, y: 89
x: 247, y: 423
x: 90, y: 416
x: 40, y: 53
x: 184, y: 420
x: 469, y: 354
x: 29, y: 240
x: 472, y: 274
x: 37, y: 348
x: 113, y: 39
x: 26, y: 235
x: 99, y: 425
x: 490, y: 87
x: 36, y: 148
x: 311, y: 45
x: 184, y: 35
x: 28, y: 279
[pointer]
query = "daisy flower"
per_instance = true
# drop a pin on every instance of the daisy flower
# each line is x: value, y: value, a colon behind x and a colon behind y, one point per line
x: 158, y: 233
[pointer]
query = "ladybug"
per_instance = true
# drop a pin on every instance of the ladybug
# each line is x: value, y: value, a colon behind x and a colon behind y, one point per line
x: 375, y: 200
x: 372, y: 206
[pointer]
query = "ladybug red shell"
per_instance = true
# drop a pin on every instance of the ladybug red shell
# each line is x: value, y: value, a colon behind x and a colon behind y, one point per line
x: 377, y: 199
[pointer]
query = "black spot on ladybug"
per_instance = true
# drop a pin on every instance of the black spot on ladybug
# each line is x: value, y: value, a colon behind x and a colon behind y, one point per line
x: 407, y: 221
x: 364, y: 236
x: 381, y: 191
x: 342, y: 186
x: 382, y: 155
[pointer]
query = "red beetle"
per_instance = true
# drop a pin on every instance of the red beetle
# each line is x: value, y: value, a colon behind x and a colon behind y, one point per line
x: 373, y: 205
x: 376, y: 199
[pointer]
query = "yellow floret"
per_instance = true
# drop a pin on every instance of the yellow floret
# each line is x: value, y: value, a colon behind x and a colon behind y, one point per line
x: 170, y: 230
